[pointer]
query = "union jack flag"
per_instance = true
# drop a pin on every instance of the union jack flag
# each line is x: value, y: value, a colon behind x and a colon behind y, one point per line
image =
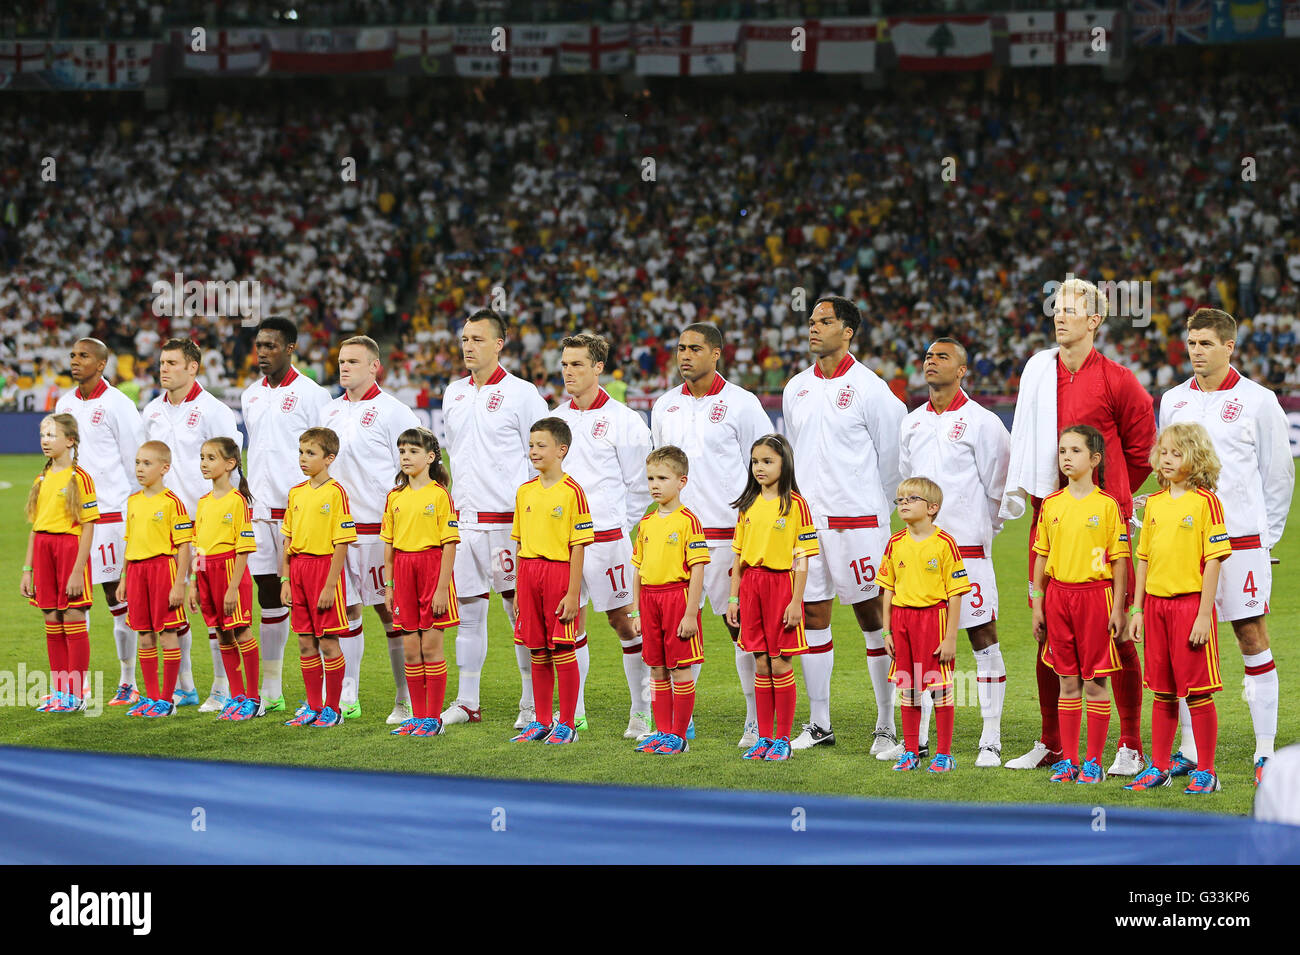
x: 1170, y: 22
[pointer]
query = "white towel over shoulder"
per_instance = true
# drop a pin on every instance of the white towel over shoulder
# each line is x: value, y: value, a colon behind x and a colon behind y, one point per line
x: 1033, y: 469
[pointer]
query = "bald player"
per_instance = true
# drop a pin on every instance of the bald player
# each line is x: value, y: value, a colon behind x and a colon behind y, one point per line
x: 111, y: 431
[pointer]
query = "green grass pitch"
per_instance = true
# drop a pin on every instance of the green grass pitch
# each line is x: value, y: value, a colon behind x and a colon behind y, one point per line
x: 602, y: 755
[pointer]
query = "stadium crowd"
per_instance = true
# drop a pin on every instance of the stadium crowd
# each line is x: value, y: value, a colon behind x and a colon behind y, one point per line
x: 753, y: 197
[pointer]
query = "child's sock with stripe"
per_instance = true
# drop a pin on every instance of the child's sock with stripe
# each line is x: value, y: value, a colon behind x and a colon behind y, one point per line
x: 171, y: 672
x: 764, y: 704
x: 250, y: 664
x: 544, y: 687
x: 1205, y: 727
x: 784, y: 699
x: 78, y: 641
x: 683, y: 697
x: 313, y: 670
x: 911, y: 726
x: 415, y: 686
x: 1164, y: 721
x: 148, y: 657
x: 945, y: 715
x: 230, y: 663
x: 435, y: 687
x: 661, y: 702
x: 566, y: 674
x: 334, y: 667
x: 56, y: 645
x: 1069, y: 716
x: 1098, y: 728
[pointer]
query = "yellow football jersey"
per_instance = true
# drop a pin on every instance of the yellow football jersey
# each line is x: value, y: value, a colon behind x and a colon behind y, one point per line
x: 317, y: 518
x: 51, y: 509
x: 922, y: 573
x: 155, y: 525
x: 667, y: 546
x: 767, y: 538
x: 223, y: 524
x: 1178, y: 536
x: 1080, y: 536
x: 551, y: 520
x: 419, y: 520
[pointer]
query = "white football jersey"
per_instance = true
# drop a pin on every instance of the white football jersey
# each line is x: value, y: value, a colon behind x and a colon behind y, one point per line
x: 273, y: 418
x: 183, y: 428
x: 844, y: 431
x: 111, y: 432
x: 487, y: 438
x: 607, y: 458
x: 965, y: 451
x: 367, y: 464
x: 1251, y: 437
x: 716, y: 431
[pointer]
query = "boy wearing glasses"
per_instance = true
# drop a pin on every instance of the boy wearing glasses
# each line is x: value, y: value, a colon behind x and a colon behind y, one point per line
x: 923, y: 580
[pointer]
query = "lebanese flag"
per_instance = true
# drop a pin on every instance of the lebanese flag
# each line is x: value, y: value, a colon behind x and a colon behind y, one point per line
x: 236, y: 51
x: 943, y: 43
x: 23, y: 57
x: 606, y: 48
x: 829, y: 46
x: 1050, y: 37
x: 687, y: 49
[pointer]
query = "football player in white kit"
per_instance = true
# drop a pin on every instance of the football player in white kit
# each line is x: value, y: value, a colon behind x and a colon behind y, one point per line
x: 487, y: 416
x: 965, y: 449
x: 607, y: 458
x: 278, y: 407
x: 183, y: 417
x: 367, y: 420
x: 111, y: 431
x: 715, y: 423
x: 843, y: 423
x: 1251, y: 437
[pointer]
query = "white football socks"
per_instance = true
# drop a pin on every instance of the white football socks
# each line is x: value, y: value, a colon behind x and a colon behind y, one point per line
x: 397, y: 662
x: 471, y: 649
x: 878, y: 666
x: 636, y: 673
x: 354, y: 649
x: 125, y: 639
x: 991, y: 674
x: 220, y: 685
x: 1261, y: 692
x: 817, y: 668
x: 185, y: 680
x: 1187, y: 739
x: 273, y: 634
x: 584, y: 664
x: 745, y: 669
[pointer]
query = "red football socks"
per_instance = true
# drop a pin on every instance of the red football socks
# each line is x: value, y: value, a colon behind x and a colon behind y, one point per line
x: 1164, y: 723
x: 764, y: 705
x: 417, y: 689
x: 683, y: 700
x: 312, y: 670
x: 945, y: 715
x: 1205, y: 730
x: 911, y: 727
x: 171, y: 672
x: 230, y: 661
x: 1098, y: 728
x: 784, y: 699
x: 1069, y: 714
x: 149, y: 671
x: 333, y: 681
x: 435, y: 687
x: 57, y: 647
x: 543, y: 687
x: 1049, y: 688
x: 1128, y: 695
x: 661, y: 704
x: 78, y: 641
x: 251, y: 655
x: 567, y: 675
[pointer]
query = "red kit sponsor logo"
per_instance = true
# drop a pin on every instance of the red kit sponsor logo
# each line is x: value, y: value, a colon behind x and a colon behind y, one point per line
x: 494, y: 401
x: 956, y: 431
x: 844, y: 398
x: 600, y: 428
x: 289, y: 403
x: 718, y: 412
x: 1232, y: 411
x: 97, y: 418
x: 192, y: 420
x: 369, y: 418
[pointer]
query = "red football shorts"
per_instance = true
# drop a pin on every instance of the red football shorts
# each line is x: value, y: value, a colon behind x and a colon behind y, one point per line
x: 1033, y: 535
x: 764, y: 595
x: 415, y: 578
x: 53, y: 557
x: 917, y: 633
x: 662, y: 608
x: 1078, y: 637
x: 148, y: 584
x: 540, y: 587
x: 215, y: 572
x: 307, y: 576
x: 1172, y: 665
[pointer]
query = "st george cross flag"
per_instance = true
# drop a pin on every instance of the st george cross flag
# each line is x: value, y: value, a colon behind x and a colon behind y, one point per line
x: 1050, y: 37
x: 687, y: 49
x: 820, y: 46
x: 599, y: 48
